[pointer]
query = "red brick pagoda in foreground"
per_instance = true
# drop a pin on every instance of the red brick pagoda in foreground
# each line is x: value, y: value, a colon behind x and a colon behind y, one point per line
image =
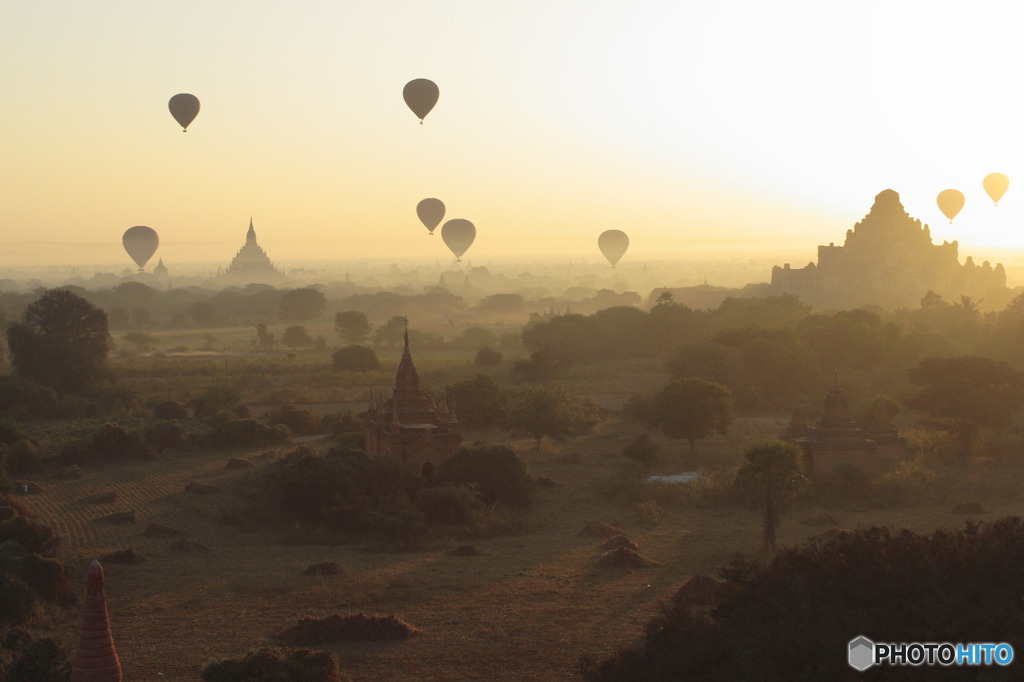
x: 410, y: 425
x: 96, y: 659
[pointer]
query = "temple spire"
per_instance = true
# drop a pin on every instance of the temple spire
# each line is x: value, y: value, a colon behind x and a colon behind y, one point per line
x: 407, y: 378
x: 250, y: 236
x: 96, y: 659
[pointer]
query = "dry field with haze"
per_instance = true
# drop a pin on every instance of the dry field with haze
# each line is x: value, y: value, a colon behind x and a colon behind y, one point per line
x: 526, y: 608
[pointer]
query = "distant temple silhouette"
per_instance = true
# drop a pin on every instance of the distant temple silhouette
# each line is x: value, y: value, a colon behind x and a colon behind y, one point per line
x: 410, y: 425
x: 252, y: 264
x: 836, y: 440
x: 888, y: 259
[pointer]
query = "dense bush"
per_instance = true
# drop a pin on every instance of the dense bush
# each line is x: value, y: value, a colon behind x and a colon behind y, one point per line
x: 23, y: 399
x: 299, y: 422
x: 478, y: 402
x: 51, y: 578
x: 33, y: 537
x: 164, y: 435
x: 278, y: 665
x: 449, y: 504
x: 243, y: 433
x: 642, y: 449
x: 356, y: 359
x: 17, y: 600
x: 25, y: 659
x: 11, y: 432
x: 496, y: 471
x: 334, y: 491
x: 487, y: 357
x: 791, y: 619
x: 214, y: 400
x: 170, y: 409
x: 24, y: 457
x: 110, y: 442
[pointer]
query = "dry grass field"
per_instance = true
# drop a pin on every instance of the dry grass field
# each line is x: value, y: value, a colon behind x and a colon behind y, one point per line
x: 525, y: 609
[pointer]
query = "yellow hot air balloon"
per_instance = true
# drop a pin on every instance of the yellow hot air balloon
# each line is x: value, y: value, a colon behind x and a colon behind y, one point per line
x: 950, y: 202
x: 458, y: 236
x: 421, y: 96
x: 184, y: 108
x: 140, y: 242
x: 995, y: 185
x: 613, y: 244
x: 430, y: 212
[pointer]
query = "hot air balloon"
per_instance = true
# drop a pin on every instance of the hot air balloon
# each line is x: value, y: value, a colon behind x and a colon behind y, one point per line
x: 458, y: 235
x: 421, y: 96
x: 184, y: 108
x: 140, y: 242
x: 950, y: 202
x: 995, y: 185
x: 431, y: 212
x: 613, y: 244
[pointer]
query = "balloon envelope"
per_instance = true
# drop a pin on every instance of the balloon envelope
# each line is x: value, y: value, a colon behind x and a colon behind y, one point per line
x: 458, y: 235
x: 421, y: 96
x: 184, y: 108
x: 431, y: 212
x: 950, y: 202
x: 995, y: 185
x: 613, y: 244
x: 140, y: 242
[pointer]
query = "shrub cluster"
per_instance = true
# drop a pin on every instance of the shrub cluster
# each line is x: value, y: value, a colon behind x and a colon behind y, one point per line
x: 28, y: 573
x: 110, y: 442
x: 281, y: 665
x: 495, y: 470
x: 785, y: 620
x: 299, y: 422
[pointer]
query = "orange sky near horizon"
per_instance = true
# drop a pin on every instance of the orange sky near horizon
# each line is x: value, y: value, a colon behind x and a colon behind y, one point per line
x: 693, y: 127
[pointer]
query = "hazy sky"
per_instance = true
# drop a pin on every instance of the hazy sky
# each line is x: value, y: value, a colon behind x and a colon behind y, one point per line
x: 692, y: 126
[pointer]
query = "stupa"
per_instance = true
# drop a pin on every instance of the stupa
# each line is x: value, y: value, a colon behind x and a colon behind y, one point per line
x: 252, y: 265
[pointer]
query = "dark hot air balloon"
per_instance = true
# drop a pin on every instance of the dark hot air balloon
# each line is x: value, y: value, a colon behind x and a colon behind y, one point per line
x: 950, y: 202
x: 613, y: 244
x: 995, y: 185
x: 431, y: 212
x: 184, y: 108
x: 421, y: 96
x: 140, y: 242
x: 458, y: 235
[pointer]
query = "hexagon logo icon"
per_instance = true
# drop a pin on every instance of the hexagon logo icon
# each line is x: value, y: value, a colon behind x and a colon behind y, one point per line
x: 862, y: 653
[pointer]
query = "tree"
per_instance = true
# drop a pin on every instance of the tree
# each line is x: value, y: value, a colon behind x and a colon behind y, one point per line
x: 487, y: 357
x: 540, y: 411
x: 266, y: 340
x: 496, y: 471
x: 356, y: 359
x: 478, y: 402
x: 391, y: 332
x: 771, y: 474
x: 967, y: 394
x: 690, y: 409
x: 296, y: 336
x: 61, y: 341
x: 793, y: 617
x: 352, y: 325
x: 304, y: 304
x: 475, y: 337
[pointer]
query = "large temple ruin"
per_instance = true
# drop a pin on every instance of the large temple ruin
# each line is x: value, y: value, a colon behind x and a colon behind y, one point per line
x: 888, y: 259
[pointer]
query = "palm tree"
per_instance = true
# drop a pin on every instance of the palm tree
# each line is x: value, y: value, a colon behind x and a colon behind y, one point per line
x: 771, y: 474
